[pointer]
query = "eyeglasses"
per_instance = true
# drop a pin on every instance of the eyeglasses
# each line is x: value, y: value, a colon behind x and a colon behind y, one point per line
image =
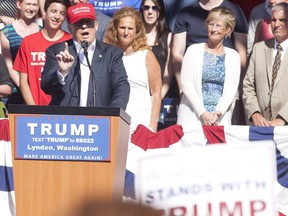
x: 147, y: 7
x: 217, y: 26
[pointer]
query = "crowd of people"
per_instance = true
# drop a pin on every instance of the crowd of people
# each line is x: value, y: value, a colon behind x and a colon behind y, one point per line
x: 223, y: 67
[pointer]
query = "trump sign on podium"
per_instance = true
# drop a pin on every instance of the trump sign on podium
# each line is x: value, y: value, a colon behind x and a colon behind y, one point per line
x: 216, y: 180
x: 65, y: 137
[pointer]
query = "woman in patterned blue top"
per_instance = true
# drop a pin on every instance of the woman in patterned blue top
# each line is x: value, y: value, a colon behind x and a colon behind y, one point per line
x: 210, y: 75
x: 12, y: 36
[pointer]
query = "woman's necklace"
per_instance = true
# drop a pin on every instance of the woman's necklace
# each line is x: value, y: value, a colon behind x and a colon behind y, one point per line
x: 214, y: 54
x: 219, y: 51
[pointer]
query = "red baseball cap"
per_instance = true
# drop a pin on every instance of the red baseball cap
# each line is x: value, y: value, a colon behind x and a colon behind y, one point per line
x: 80, y: 11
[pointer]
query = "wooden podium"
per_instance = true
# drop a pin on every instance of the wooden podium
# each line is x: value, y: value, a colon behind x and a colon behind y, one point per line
x: 48, y: 187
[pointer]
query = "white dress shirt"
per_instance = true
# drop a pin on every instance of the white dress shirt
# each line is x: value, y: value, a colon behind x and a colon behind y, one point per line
x: 284, y: 46
x: 84, y: 71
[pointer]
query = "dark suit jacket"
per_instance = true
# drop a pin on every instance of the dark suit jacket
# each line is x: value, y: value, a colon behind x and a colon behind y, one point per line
x: 112, y: 87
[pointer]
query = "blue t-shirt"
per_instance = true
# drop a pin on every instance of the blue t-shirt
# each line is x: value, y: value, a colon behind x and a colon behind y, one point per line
x: 109, y: 7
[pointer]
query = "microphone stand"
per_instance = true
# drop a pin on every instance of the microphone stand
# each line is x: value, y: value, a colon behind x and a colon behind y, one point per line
x: 92, y: 76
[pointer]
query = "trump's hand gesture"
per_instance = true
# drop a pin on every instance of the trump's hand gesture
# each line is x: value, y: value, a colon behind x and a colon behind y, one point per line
x: 65, y: 60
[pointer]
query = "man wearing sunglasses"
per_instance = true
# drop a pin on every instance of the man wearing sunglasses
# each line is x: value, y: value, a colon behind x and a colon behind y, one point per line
x: 83, y: 71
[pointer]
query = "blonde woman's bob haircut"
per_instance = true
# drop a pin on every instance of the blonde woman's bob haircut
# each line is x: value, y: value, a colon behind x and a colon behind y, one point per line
x: 225, y: 15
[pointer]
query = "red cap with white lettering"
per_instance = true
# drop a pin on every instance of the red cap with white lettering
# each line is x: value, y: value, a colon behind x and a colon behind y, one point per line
x: 80, y: 11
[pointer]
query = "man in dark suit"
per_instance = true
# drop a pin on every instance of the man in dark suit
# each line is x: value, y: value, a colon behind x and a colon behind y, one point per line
x: 71, y: 79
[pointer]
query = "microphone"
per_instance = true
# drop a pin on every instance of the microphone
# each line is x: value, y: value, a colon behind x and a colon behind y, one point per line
x: 84, y: 46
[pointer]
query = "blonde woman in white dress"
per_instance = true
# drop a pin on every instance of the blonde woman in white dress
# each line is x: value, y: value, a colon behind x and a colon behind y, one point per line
x: 127, y: 31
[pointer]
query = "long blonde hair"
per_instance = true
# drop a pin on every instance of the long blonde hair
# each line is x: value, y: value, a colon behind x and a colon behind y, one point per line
x: 111, y: 35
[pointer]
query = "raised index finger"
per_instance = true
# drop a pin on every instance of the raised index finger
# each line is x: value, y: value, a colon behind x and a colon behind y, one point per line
x: 66, y: 47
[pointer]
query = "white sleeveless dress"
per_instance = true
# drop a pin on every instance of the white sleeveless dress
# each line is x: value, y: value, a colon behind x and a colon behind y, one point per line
x: 139, y: 104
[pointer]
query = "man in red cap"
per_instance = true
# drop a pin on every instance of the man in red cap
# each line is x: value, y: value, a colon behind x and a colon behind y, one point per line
x: 103, y: 20
x: 84, y: 71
